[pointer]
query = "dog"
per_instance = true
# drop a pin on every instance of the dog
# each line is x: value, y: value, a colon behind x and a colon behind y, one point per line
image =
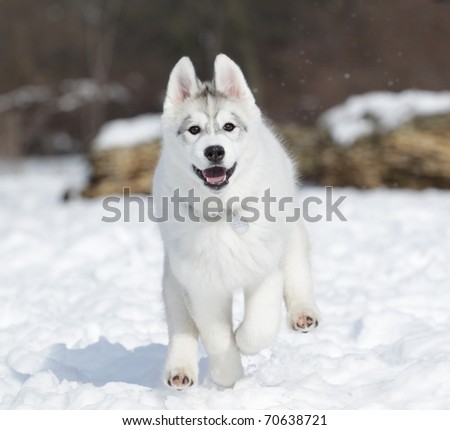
x: 217, y: 146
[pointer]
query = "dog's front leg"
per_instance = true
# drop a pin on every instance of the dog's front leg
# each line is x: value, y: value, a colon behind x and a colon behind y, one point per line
x: 181, y: 368
x: 262, y: 315
x: 302, y: 312
x: 212, y: 314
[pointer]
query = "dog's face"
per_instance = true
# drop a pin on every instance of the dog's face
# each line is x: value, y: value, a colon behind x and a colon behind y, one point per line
x: 209, y: 122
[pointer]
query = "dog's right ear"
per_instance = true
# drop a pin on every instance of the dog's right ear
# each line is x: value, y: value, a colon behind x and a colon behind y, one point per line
x: 182, y: 84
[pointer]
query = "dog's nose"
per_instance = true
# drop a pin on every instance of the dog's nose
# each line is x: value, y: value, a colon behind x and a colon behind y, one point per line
x: 215, y: 153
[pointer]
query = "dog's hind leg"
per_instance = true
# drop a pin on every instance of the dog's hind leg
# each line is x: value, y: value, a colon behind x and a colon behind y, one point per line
x: 262, y: 315
x: 181, y: 367
x: 302, y: 312
x: 211, y: 311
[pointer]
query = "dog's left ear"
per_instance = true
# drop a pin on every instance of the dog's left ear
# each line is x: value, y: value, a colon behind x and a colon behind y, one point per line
x: 229, y: 79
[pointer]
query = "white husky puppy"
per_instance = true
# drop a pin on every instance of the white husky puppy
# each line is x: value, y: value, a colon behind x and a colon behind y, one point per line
x: 217, y: 145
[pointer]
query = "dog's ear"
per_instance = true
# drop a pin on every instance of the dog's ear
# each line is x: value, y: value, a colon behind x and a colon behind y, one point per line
x: 229, y: 79
x: 182, y: 84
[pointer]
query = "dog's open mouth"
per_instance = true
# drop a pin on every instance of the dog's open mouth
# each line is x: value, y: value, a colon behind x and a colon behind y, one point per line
x: 215, y: 177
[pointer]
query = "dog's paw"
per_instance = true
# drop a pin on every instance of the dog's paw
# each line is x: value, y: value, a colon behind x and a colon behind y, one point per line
x: 180, y: 379
x: 304, y: 321
x: 225, y: 374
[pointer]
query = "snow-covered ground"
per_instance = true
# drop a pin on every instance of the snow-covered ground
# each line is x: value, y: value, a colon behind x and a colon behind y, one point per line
x: 361, y: 115
x: 82, y: 323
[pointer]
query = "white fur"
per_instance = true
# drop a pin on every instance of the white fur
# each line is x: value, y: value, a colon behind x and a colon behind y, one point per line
x: 206, y: 262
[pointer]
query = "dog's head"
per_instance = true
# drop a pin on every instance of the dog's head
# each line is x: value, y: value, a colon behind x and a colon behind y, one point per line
x: 209, y: 122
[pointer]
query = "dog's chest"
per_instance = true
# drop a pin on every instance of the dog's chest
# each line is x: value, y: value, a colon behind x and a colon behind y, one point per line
x: 225, y: 255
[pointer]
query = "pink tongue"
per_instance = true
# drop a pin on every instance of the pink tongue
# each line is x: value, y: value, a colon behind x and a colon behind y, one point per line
x: 215, y: 175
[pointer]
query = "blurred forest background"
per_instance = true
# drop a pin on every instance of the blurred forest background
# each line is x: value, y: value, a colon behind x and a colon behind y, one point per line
x: 67, y: 66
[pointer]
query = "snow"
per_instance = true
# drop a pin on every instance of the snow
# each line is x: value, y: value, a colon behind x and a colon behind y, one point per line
x: 363, y: 114
x: 79, y: 92
x: 82, y: 322
x: 24, y: 96
x: 70, y: 95
x: 128, y: 132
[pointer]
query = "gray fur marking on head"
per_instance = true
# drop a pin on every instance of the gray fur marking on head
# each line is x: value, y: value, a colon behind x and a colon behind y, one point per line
x: 184, y: 125
x: 208, y: 89
x: 206, y: 95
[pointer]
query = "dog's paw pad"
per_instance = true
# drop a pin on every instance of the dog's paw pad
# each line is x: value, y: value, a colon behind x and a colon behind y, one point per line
x: 305, y: 323
x: 180, y: 381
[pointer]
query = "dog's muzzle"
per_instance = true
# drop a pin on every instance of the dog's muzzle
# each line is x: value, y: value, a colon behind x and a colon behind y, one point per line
x: 215, y: 177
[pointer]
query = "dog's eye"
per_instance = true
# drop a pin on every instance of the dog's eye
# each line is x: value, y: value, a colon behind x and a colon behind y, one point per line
x: 195, y: 129
x: 229, y: 127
